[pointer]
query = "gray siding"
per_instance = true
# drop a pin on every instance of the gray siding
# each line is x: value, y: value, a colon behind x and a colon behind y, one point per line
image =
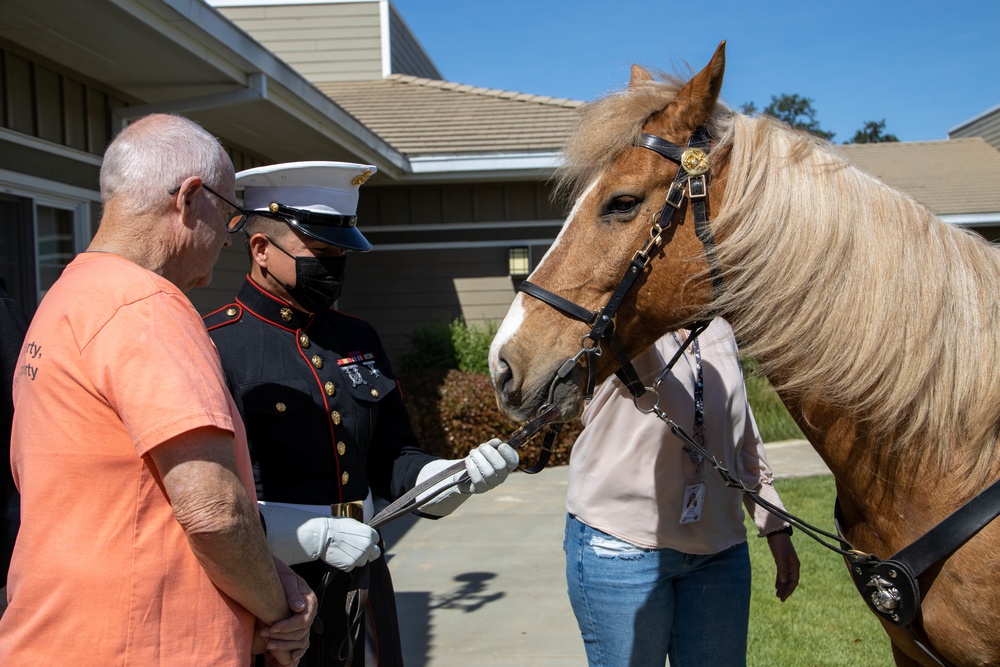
x: 406, y: 54
x: 397, y: 291
x: 324, y: 42
x: 227, y: 278
x: 986, y: 126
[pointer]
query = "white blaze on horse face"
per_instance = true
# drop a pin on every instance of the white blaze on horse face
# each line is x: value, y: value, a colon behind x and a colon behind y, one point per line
x: 509, y: 326
x: 572, y: 216
x: 515, y: 315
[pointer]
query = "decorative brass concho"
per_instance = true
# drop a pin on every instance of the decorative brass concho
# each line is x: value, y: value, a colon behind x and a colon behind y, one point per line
x: 694, y: 161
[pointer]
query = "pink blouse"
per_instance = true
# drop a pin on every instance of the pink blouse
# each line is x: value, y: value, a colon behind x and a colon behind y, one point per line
x: 628, y: 473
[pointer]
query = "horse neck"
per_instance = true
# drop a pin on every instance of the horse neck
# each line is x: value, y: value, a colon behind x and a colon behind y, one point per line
x: 875, y: 321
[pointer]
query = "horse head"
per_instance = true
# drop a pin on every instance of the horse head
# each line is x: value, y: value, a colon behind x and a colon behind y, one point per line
x: 618, y: 191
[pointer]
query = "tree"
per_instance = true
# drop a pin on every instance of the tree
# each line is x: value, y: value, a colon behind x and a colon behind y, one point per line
x: 872, y: 133
x: 796, y: 111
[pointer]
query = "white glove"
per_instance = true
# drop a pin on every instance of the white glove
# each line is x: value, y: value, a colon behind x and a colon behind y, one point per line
x: 487, y: 466
x: 298, y: 536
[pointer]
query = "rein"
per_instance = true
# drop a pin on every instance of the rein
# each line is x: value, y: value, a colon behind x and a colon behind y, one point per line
x: 889, y: 587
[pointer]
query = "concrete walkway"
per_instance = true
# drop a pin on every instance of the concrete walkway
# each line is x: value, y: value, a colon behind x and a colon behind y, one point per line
x: 485, y: 586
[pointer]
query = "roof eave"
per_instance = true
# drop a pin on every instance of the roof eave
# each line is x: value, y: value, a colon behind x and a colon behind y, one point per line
x: 973, y: 219
x: 533, y: 165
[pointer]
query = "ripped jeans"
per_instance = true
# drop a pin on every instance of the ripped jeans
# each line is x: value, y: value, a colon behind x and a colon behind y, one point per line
x: 636, y: 606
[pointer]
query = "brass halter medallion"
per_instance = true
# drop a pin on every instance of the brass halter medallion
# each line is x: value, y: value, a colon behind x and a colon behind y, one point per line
x: 694, y: 161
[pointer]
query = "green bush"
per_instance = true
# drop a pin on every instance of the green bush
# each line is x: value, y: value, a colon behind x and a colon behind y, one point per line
x: 453, y: 411
x: 472, y: 345
x: 452, y: 344
x: 431, y: 347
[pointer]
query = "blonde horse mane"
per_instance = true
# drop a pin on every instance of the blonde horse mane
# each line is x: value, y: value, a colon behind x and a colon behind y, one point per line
x: 851, y: 294
x: 902, y: 331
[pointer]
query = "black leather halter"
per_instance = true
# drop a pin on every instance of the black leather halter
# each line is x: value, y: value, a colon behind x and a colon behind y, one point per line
x: 691, y: 180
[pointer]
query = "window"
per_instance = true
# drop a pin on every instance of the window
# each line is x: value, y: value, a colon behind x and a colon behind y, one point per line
x: 55, y: 244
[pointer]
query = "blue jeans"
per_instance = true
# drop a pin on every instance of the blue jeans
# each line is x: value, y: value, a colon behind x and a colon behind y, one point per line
x: 636, y: 606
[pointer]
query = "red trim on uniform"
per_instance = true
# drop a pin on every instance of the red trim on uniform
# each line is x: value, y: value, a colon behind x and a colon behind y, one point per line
x: 265, y: 292
x: 262, y: 318
x: 237, y: 316
x: 329, y: 419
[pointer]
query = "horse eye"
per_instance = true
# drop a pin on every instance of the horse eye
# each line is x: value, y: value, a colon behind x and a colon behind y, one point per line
x: 622, y: 204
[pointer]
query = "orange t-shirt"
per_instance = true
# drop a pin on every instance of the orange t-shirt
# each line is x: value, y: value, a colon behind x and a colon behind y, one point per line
x: 116, y: 361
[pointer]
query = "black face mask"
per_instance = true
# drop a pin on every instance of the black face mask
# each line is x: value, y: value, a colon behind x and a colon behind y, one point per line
x: 318, y: 280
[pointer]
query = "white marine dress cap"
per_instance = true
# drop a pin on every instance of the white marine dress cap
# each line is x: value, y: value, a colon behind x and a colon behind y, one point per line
x: 319, y: 199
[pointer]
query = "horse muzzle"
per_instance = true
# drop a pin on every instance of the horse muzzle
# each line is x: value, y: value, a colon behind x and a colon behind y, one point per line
x: 522, y: 387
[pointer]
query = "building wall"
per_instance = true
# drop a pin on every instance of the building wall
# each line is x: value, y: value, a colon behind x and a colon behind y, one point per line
x: 323, y: 42
x: 986, y: 126
x: 407, y: 56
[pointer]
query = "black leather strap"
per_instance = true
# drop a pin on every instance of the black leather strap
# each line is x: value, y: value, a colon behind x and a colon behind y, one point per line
x: 952, y: 532
x: 565, y: 306
x: 606, y: 317
x: 667, y: 149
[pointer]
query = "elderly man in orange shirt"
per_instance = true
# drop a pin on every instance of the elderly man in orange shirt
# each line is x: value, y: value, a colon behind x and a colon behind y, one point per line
x: 140, y: 542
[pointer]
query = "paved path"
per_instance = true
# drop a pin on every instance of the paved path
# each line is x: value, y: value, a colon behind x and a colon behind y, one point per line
x: 485, y: 586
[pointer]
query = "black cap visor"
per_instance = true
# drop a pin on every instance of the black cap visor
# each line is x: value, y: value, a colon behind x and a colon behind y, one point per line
x: 338, y: 230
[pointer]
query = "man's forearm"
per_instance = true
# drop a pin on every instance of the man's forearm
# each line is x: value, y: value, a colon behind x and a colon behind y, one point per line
x: 220, y: 521
x: 230, y: 545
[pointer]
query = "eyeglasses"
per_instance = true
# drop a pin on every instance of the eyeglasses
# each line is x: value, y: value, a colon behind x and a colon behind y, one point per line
x: 236, y: 221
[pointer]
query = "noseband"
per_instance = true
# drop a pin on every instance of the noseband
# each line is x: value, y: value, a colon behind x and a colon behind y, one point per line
x: 691, y: 180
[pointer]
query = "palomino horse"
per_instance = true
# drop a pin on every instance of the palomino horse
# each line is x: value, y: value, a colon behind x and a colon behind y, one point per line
x: 876, y: 322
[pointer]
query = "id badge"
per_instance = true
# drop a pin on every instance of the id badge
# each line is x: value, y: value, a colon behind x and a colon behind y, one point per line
x: 694, y: 501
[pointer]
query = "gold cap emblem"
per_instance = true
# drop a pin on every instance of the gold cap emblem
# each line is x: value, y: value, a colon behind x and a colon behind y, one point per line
x: 362, y: 177
x: 694, y: 161
x: 286, y: 314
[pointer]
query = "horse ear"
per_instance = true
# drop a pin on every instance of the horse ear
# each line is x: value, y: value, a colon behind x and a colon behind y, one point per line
x: 694, y: 103
x: 639, y: 77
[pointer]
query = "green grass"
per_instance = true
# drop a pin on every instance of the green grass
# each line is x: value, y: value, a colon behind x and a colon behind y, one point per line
x: 769, y: 412
x: 825, y: 622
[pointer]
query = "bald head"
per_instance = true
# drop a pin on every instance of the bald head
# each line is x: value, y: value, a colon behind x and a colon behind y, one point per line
x: 154, y: 155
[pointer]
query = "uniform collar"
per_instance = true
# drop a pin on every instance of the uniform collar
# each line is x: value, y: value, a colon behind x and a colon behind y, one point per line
x: 270, y: 308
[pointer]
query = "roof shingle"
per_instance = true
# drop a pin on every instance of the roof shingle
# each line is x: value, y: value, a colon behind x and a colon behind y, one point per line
x: 421, y: 117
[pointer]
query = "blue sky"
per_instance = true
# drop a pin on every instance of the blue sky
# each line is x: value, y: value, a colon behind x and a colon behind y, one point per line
x: 923, y: 66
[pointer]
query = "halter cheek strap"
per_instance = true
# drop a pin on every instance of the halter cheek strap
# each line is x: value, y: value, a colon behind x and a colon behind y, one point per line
x: 690, y: 181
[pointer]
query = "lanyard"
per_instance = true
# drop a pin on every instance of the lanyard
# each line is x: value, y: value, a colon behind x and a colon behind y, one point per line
x: 699, y: 402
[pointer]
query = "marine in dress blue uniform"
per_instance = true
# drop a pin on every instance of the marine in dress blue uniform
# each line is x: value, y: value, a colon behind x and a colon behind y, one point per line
x: 324, y: 415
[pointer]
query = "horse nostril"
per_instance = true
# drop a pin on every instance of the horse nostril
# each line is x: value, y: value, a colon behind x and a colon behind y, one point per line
x: 502, y: 375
